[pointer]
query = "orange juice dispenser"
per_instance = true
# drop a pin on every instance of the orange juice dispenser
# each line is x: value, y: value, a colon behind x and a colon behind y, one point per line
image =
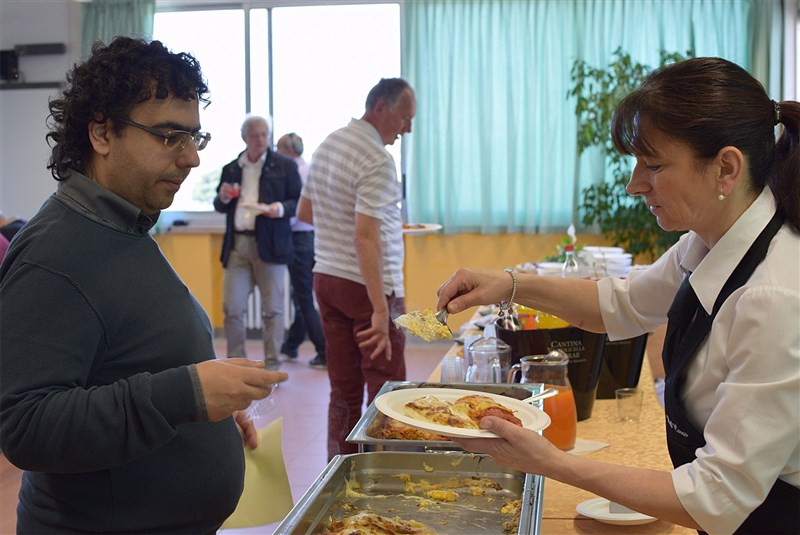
x: 551, y: 371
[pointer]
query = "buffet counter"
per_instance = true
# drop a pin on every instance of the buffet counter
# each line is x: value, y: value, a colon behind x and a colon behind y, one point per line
x: 641, y: 444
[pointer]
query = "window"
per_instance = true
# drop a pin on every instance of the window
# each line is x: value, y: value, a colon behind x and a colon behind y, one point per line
x: 221, y: 56
x: 324, y: 60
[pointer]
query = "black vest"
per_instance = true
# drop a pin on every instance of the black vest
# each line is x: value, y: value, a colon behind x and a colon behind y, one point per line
x: 688, y: 327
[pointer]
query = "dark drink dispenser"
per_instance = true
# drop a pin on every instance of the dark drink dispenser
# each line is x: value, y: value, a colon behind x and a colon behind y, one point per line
x: 622, y: 365
x: 585, y: 351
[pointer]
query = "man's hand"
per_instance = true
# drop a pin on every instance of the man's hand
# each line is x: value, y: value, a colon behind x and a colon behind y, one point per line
x: 228, y: 192
x: 230, y: 385
x: 273, y: 210
x: 377, y: 335
x: 247, y: 429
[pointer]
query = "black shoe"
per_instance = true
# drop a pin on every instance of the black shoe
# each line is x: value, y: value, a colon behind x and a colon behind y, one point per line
x: 290, y: 354
x: 318, y: 363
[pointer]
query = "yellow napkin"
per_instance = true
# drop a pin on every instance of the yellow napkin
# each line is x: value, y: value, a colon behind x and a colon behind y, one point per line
x: 267, y: 496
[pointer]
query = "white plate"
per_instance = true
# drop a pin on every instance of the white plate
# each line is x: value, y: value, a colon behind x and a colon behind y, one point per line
x: 426, y: 228
x: 556, y: 266
x: 527, y: 267
x: 254, y: 206
x: 597, y: 508
x: 391, y: 404
x: 606, y: 250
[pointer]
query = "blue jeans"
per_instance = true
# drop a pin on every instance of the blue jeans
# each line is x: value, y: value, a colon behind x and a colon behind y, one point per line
x: 306, y: 317
x: 244, y: 271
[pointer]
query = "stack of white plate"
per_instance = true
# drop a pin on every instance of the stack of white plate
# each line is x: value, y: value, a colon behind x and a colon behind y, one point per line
x: 549, y: 269
x: 613, y: 261
x: 541, y: 268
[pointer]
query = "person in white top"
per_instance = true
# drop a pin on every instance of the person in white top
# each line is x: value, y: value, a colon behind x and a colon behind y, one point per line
x: 707, y: 161
x: 352, y: 197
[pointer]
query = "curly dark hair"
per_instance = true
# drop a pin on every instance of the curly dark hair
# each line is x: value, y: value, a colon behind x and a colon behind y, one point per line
x: 115, y: 78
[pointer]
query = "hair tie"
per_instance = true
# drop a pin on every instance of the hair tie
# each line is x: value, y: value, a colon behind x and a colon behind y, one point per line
x: 777, y: 111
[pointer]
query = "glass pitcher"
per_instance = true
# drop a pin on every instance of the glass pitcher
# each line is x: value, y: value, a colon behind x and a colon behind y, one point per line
x: 551, y: 371
x: 485, y: 360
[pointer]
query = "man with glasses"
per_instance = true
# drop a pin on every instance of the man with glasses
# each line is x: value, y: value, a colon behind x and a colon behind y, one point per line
x: 111, y: 398
x: 258, y: 192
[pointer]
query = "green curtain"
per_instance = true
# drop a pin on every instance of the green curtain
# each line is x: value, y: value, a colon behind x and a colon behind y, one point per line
x: 493, y: 148
x: 105, y: 19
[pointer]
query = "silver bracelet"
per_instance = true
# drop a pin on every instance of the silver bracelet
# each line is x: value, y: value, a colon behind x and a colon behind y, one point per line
x: 505, y: 305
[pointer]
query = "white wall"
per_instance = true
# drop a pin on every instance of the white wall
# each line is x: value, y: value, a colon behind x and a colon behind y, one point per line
x: 25, y: 181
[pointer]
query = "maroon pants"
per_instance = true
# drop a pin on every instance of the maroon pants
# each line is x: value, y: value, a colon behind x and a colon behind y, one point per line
x: 345, y: 309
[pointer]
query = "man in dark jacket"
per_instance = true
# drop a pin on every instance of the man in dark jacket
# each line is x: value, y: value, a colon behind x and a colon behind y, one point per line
x: 258, y: 192
x: 111, y: 398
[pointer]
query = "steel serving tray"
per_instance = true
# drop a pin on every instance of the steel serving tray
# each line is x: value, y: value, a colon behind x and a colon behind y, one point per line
x: 376, y: 476
x: 365, y: 433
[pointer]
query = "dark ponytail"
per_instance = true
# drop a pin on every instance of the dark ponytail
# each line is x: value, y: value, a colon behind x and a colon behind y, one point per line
x: 785, y: 180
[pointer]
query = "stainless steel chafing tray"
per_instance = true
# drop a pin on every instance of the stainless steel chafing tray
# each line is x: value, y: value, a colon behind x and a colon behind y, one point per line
x: 377, y: 477
x: 364, y: 432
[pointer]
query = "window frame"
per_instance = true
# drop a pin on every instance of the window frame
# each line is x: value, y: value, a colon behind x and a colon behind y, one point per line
x: 210, y: 220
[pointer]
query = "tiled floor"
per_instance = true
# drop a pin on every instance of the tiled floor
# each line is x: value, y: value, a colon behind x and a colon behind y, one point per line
x: 302, y: 402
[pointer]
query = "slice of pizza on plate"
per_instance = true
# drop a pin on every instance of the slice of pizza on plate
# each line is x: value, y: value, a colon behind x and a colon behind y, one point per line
x: 432, y: 409
x: 476, y: 407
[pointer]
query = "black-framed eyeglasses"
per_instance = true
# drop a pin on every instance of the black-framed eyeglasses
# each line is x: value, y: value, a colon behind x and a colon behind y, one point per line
x: 174, y: 139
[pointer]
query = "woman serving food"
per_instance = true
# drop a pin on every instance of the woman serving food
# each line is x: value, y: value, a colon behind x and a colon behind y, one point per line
x: 707, y: 161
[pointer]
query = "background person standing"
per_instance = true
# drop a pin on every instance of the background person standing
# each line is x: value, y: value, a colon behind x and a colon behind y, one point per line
x: 352, y: 196
x: 306, y: 317
x: 258, y: 192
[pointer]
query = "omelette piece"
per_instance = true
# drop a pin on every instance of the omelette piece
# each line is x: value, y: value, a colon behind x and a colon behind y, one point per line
x: 475, y: 407
x: 472, y: 483
x: 372, y: 524
x: 432, y: 409
x: 393, y: 429
x: 424, y: 325
x: 512, y: 509
x: 442, y: 495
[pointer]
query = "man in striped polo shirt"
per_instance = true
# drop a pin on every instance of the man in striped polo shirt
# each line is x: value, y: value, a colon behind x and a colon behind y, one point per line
x: 352, y: 198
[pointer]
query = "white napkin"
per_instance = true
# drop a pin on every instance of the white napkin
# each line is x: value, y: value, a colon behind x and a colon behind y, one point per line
x: 587, y: 446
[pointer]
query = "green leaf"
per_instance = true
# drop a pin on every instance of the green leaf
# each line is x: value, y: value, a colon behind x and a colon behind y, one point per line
x: 622, y: 219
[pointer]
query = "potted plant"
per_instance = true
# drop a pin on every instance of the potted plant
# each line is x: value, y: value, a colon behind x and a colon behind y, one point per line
x: 623, y: 219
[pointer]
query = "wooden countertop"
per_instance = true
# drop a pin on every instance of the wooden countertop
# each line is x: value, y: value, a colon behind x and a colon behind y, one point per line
x: 641, y: 444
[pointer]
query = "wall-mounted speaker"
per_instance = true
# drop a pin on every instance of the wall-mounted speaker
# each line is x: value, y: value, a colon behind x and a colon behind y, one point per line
x: 40, y: 49
x: 9, y: 65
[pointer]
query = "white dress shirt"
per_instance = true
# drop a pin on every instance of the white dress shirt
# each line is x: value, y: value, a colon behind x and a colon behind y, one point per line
x: 742, y: 389
x: 245, y: 218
